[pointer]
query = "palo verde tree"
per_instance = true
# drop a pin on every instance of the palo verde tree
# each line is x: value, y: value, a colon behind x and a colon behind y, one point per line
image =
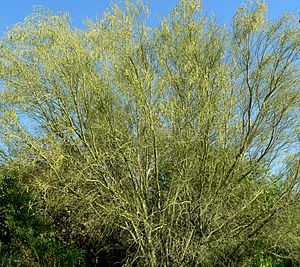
x: 163, y: 137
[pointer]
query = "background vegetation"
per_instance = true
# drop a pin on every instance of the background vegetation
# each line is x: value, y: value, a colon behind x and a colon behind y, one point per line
x: 125, y: 145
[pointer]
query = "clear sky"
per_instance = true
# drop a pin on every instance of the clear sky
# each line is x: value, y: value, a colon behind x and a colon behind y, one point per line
x: 14, y: 11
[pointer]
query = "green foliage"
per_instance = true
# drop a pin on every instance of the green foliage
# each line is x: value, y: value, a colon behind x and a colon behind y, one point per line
x: 269, y: 261
x: 27, y: 238
x: 151, y: 146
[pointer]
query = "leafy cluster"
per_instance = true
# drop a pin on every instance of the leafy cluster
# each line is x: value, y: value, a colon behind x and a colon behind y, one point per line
x: 129, y: 145
x: 27, y: 238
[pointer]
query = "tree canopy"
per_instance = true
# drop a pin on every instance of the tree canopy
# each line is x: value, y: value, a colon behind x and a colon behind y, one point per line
x: 175, y: 145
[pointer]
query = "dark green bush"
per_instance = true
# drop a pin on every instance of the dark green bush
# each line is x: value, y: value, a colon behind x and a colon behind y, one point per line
x: 26, y: 237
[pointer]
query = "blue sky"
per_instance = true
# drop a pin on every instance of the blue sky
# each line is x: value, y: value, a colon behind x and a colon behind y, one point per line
x: 14, y: 11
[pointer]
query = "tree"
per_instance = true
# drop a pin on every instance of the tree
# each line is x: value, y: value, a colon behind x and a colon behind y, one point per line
x: 157, y: 133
